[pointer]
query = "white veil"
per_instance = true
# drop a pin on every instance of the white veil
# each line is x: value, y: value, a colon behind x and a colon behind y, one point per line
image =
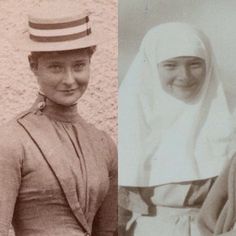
x: 163, y: 139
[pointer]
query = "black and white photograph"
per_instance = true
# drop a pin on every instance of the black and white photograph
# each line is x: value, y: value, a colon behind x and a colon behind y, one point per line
x: 176, y: 121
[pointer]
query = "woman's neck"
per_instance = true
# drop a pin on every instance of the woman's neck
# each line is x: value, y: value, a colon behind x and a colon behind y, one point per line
x: 56, y: 111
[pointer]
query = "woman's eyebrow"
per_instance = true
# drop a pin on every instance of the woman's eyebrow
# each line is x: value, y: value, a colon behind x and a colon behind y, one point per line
x: 169, y: 61
x: 196, y: 60
x: 54, y: 62
x: 80, y: 60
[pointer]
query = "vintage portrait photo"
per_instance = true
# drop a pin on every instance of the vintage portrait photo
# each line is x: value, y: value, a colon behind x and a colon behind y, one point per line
x: 177, y: 143
x: 58, y: 123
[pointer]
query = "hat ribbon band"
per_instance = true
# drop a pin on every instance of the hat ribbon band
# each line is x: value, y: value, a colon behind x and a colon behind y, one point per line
x: 51, y: 26
x: 61, y: 38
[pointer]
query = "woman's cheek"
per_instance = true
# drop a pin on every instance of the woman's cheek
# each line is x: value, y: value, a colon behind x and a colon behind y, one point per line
x: 53, y: 80
x: 83, y: 79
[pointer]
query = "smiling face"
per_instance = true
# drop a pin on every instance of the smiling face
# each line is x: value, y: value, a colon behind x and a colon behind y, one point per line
x: 63, y: 76
x: 182, y: 77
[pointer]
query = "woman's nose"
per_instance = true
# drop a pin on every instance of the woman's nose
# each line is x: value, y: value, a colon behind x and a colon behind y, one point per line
x: 69, y: 77
x: 183, y: 73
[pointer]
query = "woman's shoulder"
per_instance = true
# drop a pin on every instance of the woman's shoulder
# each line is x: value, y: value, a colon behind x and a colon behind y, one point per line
x: 12, y: 131
x: 89, y: 127
x: 12, y: 140
x: 93, y: 132
x: 101, y: 140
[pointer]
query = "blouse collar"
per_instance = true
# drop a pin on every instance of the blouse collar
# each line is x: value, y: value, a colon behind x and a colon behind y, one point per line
x: 56, y: 111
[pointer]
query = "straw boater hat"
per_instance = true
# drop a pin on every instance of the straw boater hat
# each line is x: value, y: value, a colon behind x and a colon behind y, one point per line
x: 57, y: 31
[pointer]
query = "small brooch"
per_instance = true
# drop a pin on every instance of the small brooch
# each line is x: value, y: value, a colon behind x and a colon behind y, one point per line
x: 41, y: 105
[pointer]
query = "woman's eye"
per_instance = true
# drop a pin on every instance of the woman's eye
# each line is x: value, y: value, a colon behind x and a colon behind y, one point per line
x: 55, y: 68
x: 196, y: 64
x: 79, y: 66
x: 170, y: 66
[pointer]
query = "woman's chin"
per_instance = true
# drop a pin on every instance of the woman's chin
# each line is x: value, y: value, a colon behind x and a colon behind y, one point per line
x: 186, y: 96
x: 66, y: 101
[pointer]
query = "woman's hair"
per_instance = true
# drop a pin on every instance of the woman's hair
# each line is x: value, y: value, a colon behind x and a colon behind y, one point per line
x: 34, y: 56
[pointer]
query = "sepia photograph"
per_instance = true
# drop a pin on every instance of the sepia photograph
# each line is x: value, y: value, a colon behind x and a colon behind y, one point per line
x: 176, y: 121
x: 58, y: 123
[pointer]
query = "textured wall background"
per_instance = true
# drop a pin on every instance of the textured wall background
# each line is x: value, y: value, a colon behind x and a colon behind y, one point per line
x: 18, y: 86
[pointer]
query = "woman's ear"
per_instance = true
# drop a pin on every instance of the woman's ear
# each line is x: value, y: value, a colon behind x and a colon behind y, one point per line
x: 33, y: 64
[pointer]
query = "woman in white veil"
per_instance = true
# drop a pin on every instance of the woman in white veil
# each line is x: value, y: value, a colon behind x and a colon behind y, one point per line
x: 175, y: 131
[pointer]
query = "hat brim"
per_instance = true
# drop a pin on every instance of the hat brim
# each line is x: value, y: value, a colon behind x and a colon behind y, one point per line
x: 24, y: 43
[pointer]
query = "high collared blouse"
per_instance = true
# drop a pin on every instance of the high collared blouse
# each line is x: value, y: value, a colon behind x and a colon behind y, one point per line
x: 57, y: 175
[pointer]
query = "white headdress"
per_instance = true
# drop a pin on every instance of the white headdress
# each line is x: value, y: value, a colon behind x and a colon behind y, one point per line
x: 163, y: 139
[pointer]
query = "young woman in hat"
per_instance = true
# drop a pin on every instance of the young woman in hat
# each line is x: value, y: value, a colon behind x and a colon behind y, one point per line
x: 57, y: 172
x: 175, y: 132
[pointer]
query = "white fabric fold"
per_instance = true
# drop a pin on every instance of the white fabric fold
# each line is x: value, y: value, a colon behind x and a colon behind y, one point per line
x: 162, y: 139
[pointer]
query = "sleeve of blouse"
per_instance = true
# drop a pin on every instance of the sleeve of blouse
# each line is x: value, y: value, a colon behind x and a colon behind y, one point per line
x: 10, y: 178
x: 105, y: 222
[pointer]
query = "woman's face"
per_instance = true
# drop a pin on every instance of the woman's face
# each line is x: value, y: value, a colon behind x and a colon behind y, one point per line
x: 63, y: 77
x: 182, y: 77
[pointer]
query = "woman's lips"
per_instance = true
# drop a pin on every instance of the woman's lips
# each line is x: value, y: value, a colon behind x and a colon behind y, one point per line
x: 185, y: 85
x: 68, y: 90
